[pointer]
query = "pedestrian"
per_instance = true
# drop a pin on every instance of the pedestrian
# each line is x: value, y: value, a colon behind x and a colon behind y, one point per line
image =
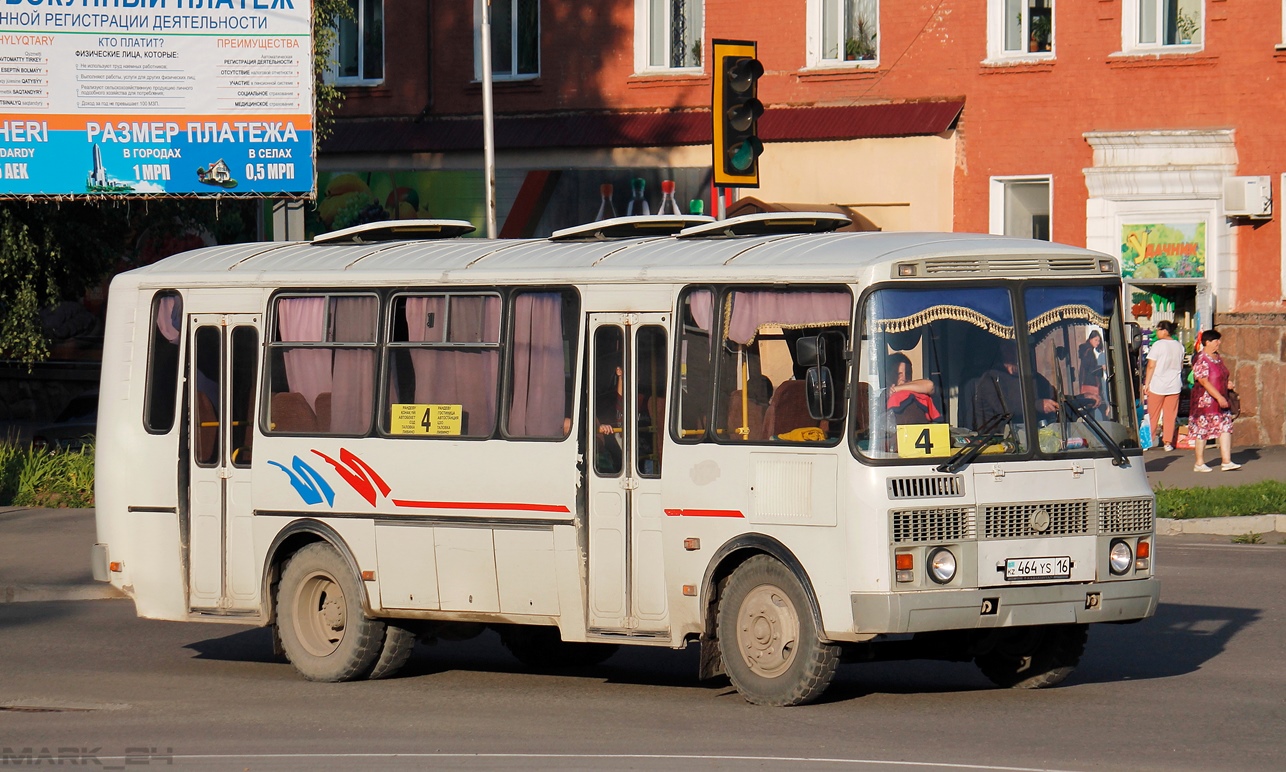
x: 1211, y: 414
x: 1163, y: 381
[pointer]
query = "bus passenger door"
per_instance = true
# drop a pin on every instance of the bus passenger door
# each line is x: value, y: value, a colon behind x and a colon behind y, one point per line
x: 628, y: 387
x: 223, y: 373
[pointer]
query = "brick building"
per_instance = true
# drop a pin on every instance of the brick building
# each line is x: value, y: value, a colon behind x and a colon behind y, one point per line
x: 1145, y: 128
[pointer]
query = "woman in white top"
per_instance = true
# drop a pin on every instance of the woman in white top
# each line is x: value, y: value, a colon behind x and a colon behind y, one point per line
x: 1163, y: 381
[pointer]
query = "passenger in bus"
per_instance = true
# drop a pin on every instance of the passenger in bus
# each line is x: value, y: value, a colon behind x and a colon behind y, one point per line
x: 1000, y: 390
x: 909, y: 400
x: 1093, y: 372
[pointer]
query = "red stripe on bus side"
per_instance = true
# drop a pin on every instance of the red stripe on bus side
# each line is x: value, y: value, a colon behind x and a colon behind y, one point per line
x: 704, y: 513
x: 481, y: 505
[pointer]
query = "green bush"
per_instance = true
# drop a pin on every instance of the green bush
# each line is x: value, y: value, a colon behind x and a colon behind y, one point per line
x: 42, y: 478
x: 1261, y: 498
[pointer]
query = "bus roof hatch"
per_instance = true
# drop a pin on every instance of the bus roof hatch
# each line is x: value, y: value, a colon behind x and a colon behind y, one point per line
x: 397, y: 230
x: 631, y: 227
x: 768, y: 224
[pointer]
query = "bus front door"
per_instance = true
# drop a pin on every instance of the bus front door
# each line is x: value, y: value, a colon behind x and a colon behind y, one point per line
x: 223, y: 371
x: 628, y: 378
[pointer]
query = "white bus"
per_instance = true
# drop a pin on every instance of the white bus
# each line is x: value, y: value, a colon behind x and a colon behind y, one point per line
x: 791, y: 445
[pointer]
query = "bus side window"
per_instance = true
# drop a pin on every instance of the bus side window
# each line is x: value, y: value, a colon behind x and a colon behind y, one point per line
x: 541, y: 364
x: 163, y: 362
x: 322, y: 364
x: 695, y: 380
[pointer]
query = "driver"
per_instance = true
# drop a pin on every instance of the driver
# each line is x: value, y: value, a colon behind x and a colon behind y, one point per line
x: 1000, y: 390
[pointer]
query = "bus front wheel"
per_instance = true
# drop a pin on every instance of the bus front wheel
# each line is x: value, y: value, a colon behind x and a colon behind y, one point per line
x: 1034, y: 657
x: 768, y: 639
x: 319, y: 618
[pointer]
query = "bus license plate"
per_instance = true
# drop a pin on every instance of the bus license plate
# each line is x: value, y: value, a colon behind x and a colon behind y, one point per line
x: 1020, y: 569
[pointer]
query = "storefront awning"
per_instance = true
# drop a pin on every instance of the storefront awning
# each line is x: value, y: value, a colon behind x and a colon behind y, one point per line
x: 663, y: 128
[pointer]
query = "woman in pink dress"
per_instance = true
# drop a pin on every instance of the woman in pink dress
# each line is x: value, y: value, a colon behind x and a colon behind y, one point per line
x: 1209, y: 416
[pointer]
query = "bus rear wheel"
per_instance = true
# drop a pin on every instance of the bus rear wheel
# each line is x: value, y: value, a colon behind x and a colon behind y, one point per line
x: 1034, y: 657
x: 319, y: 618
x: 767, y: 637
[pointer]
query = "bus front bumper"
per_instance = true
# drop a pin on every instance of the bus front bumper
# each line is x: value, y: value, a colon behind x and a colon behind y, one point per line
x: 928, y: 610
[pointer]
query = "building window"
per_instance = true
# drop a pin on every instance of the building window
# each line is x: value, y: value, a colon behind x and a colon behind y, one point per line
x: 1020, y: 28
x: 1152, y: 24
x: 843, y: 31
x: 1020, y: 206
x: 668, y: 34
x: 515, y: 39
x: 359, y: 50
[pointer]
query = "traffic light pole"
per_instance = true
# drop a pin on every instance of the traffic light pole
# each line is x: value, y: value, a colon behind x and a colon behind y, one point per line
x: 488, y: 123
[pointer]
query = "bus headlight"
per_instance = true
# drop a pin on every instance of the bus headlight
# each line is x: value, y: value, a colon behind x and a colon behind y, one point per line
x: 1121, y: 558
x: 942, y: 565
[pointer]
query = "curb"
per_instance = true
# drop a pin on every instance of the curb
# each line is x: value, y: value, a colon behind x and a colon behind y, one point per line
x: 1222, y: 526
x: 33, y: 593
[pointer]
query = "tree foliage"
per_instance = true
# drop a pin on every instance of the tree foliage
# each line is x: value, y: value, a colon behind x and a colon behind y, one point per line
x: 55, y: 250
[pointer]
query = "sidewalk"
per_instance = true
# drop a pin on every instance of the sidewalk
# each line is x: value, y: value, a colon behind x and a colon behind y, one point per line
x: 44, y: 553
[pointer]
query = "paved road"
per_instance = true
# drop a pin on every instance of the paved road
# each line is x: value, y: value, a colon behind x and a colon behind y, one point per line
x: 1197, y: 687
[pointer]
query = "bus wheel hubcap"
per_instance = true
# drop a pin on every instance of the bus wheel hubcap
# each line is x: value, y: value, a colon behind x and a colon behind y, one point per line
x: 767, y: 631
x: 320, y: 614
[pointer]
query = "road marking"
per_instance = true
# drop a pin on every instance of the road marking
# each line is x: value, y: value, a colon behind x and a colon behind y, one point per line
x: 592, y: 756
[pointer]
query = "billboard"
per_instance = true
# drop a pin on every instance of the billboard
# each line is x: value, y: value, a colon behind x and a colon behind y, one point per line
x: 156, y: 97
x: 1164, y: 251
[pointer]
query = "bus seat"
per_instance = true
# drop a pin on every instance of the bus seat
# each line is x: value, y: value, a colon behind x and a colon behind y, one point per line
x: 788, y: 409
x: 290, y: 413
x: 323, y: 412
x: 755, y: 414
x: 207, y: 437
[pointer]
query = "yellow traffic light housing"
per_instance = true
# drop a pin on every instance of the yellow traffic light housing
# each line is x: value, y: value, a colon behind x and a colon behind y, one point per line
x: 736, y: 109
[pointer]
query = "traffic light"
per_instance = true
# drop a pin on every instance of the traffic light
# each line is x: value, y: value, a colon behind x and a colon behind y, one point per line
x: 736, y: 110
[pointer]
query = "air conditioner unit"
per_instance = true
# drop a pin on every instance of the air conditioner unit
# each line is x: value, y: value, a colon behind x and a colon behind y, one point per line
x: 1248, y: 197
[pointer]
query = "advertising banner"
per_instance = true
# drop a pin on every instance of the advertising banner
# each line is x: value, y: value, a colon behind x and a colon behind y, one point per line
x: 155, y: 97
x: 1164, y: 251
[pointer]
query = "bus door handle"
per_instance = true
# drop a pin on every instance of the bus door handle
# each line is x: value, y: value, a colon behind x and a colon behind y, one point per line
x: 630, y: 483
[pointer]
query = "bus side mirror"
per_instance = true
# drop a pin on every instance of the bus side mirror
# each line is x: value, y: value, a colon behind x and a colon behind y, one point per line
x: 1136, y: 336
x: 820, y: 390
x: 810, y: 351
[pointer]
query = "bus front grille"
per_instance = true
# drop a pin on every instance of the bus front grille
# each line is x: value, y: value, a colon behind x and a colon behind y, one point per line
x: 1125, y: 516
x: 914, y: 526
x: 924, y: 487
x: 1034, y: 519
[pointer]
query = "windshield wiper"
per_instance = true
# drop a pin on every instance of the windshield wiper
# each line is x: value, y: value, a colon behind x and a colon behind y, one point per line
x: 1118, y: 455
x: 985, y: 438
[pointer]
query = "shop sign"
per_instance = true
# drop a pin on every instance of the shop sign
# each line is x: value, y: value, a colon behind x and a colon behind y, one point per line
x: 1164, y: 251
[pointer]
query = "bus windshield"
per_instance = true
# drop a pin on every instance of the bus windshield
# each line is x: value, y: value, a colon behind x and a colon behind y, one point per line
x: 940, y: 370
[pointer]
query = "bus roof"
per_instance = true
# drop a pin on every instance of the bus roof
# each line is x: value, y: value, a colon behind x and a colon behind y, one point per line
x: 846, y: 257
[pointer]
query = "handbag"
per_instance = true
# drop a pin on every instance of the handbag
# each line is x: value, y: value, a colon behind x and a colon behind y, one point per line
x: 1234, y: 403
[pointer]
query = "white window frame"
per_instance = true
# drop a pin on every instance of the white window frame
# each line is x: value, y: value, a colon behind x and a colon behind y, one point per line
x: 643, y: 41
x: 996, y: 34
x: 814, y: 41
x: 998, y: 185
x: 1282, y: 47
x: 477, y: 44
x: 332, y: 73
x: 1131, y: 24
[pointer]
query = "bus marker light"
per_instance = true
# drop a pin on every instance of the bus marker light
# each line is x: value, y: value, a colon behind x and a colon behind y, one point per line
x: 1143, y: 550
x: 690, y: 590
x: 116, y: 566
x: 368, y: 576
x: 904, y: 561
x: 691, y: 544
x: 906, y: 576
x: 906, y: 269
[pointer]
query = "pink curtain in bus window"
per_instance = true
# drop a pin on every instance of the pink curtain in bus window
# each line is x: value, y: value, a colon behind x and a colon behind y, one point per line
x: 701, y: 304
x: 457, y: 377
x: 169, y: 315
x: 303, y: 320
x: 789, y: 310
x: 537, y: 404
x: 353, y: 389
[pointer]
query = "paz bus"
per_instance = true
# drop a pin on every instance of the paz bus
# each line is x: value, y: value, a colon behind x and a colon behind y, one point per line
x: 789, y: 445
